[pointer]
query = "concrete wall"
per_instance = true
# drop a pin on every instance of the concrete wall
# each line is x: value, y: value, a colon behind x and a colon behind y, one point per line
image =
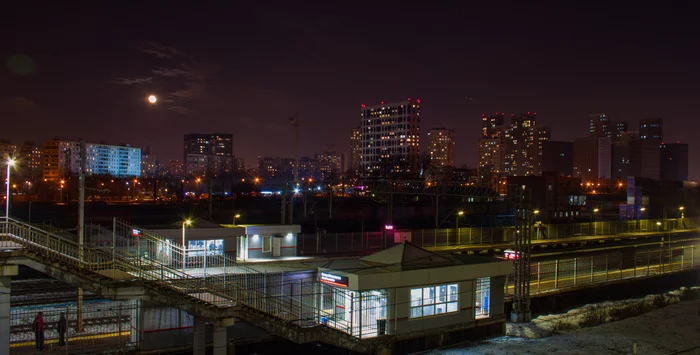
x: 400, y: 309
x: 288, y: 246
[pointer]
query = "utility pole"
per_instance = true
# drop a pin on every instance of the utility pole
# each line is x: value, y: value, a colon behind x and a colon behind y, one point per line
x: 81, y: 228
x: 524, y: 216
x: 296, y: 123
x: 283, y: 207
x: 209, y: 199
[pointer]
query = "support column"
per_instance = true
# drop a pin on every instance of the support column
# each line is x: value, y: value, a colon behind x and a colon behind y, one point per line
x: 6, y: 272
x: 199, y: 343
x: 136, y: 323
x: 220, y: 337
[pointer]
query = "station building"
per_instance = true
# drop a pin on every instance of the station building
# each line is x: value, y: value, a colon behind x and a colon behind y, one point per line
x: 407, y: 290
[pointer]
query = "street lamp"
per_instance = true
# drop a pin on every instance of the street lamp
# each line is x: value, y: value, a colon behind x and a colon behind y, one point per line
x: 152, y: 99
x: 185, y: 223
x: 10, y: 163
x: 682, y: 208
x: 234, y: 218
x: 595, y: 210
x: 459, y: 214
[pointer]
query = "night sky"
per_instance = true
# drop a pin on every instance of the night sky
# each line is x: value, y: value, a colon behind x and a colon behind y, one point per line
x: 85, y: 72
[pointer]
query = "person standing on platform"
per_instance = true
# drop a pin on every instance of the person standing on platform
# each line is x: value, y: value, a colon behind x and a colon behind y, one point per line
x: 39, y: 331
x: 62, y: 327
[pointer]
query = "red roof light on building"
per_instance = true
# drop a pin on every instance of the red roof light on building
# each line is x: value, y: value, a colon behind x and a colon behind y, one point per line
x: 418, y: 100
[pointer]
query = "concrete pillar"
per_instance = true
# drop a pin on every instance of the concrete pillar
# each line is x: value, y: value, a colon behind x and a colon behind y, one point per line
x: 220, y: 337
x: 199, y: 343
x: 136, y: 323
x: 6, y: 272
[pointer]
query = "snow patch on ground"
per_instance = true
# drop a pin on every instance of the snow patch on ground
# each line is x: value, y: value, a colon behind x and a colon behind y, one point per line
x: 661, y: 331
x: 599, y: 313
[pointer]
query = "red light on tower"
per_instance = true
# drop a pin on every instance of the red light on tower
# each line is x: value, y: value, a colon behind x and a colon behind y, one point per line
x: 409, y: 99
x: 382, y: 102
x: 363, y: 105
x: 418, y: 100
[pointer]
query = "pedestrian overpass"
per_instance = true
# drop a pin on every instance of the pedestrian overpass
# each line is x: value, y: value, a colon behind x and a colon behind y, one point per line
x: 136, y: 269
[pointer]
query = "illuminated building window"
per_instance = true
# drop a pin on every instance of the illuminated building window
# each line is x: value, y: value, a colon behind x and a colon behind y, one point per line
x: 434, y: 300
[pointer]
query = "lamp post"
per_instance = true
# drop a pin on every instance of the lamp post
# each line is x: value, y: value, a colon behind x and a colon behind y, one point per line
x: 595, y: 210
x: 459, y: 214
x: 536, y: 212
x: 10, y: 163
x: 185, y: 223
x: 641, y: 216
x: 234, y: 218
x: 682, y: 209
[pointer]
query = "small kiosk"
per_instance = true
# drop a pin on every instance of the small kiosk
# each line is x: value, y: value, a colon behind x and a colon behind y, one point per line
x: 248, y: 242
x: 406, y: 289
x: 267, y: 241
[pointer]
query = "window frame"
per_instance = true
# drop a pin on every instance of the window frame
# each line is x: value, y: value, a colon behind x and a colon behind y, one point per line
x: 443, y: 297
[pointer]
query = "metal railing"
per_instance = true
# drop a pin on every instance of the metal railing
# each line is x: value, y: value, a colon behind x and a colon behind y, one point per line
x: 569, y: 273
x: 220, y: 289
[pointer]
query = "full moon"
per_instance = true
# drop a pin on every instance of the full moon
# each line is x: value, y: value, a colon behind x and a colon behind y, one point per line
x: 152, y: 99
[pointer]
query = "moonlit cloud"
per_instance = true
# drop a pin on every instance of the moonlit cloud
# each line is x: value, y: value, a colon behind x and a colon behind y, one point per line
x: 131, y: 81
x: 179, y: 78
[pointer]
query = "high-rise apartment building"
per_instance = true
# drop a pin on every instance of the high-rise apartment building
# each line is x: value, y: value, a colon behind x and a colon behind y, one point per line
x: 599, y: 125
x: 390, y: 139
x: 441, y: 147
x: 592, y: 158
x: 620, y: 164
x: 558, y: 156
x: 674, y: 162
x: 29, y: 161
x: 491, y: 157
x: 620, y: 129
x: 651, y: 129
x: 149, y: 165
x: 208, y: 154
x: 277, y: 169
x: 524, y: 143
x: 492, y: 125
x: 356, y: 149
x: 330, y: 163
x: 645, y: 158
x: 491, y: 148
x: 62, y: 159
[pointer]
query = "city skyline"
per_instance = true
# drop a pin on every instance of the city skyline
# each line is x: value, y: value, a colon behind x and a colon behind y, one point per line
x: 61, y: 80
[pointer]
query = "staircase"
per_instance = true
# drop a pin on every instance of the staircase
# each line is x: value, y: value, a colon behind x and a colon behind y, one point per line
x: 139, y: 259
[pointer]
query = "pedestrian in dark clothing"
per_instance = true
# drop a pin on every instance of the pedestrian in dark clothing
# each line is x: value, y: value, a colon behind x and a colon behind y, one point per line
x: 62, y: 327
x: 39, y: 331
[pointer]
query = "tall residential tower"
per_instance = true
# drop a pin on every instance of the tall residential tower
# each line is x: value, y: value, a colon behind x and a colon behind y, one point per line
x: 390, y: 136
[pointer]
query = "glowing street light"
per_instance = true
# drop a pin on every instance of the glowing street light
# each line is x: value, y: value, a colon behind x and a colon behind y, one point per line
x: 10, y: 163
x: 237, y: 215
x: 152, y: 99
x: 185, y: 223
